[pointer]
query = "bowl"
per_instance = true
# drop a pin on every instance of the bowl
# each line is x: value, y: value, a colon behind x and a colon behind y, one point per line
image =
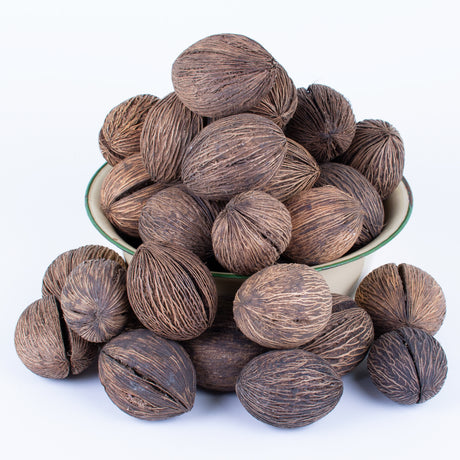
x: 341, y: 274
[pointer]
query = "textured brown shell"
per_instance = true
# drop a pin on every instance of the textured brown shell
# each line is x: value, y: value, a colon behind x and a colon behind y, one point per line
x: 342, y: 302
x: 223, y: 75
x: 283, y: 306
x: 323, y: 122
x: 171, y: 291
x: 403, y: 295
x: 146, y: 376
x: 168, y: 129
x: 233, y: 155
x: 407, y: 365
x: 325, y: 224
x: 377, y: 152
x: 120, y: 134
x: 289, y: 388
x: 251, y: 232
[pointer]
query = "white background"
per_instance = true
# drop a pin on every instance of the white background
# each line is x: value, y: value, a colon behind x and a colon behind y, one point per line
x: 62, y: 68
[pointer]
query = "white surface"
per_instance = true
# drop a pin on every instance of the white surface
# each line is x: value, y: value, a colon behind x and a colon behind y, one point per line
x: 63, y: 67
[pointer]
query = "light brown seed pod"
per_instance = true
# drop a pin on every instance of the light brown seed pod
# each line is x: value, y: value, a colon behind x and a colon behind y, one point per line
x: 325, y: 224
x: 283, y: 306
x: 120, y: 134
x: 245, y: 146
x: 168, y: 130
x: 46, y: 345
x: 402, y: 295
x: 223, y: 75
x: 323, y: 122
x: 171, y: 291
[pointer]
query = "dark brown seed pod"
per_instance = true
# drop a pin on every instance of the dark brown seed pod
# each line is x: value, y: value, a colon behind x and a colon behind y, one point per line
x: 221, y: 352
x: 352, y: 182
x: 223, y: 75
x: 323, y: 122
x: 168, y: 129
x: 124, y: 192
x: 120, y: 134
x: 344, y: 342
x: 251, y: 232
x: 342, y: 302
x: 289, y: 388
x: 171, y: 291
x: 146, y: 376
x: 377, y: 152
x: 407, y: 365
x: 403, y: 295
x: 298, y: 171
x: 245, y: 146
x: 94, y: 300
x: 283, y: 306
x: 325, y: 224
x: 47, y: 346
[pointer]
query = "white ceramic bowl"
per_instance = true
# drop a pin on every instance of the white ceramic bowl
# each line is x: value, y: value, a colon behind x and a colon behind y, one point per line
x: 341, y: 274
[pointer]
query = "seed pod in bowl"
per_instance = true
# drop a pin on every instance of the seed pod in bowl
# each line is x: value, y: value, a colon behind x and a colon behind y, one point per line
x: 223, y: 75
x: 323, y: 122
x: 245, y: 146
x: 325, y: 224
x: 168, y: 129
x: 251, y: 232
x: 120, y: 134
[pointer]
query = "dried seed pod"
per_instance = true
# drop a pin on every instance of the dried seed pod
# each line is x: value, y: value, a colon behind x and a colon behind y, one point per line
x: 171, y: 291
x: 146, y: 376
x: 124, y: 193
x: 223, y: 75
x: 94, y: 300
x: 120, y: 134
x: 289, y: 388
x: 353, y: 183
x: 251, y: 232
x: 342, y: 302
x: 323, y: 122
x: 283, y: 306
x: 377, y: 152
x: 344, y: 342
x: 298, y: 171
x: 221, y: 352
x: 407, y: 365
x: 246, y: 146
x: 325, y: 224
x: 403, y: 295
x: 168, y: 129
x: 47, y: 346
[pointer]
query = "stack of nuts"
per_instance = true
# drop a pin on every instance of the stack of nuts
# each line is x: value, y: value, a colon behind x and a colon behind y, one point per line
x: 237, y: 167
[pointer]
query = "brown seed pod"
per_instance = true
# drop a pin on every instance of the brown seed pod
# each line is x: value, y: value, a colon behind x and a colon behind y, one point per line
x: 47, y: 346
x: 94, y: 300
x: 325, y: 224
x: 283, y: 306
x: 342, y: 302
x: 377, y: 152
x: 344, y: 342
x: 323, y: 122
x: 146, y: 376
x: 289, y: 388
x: 168, y: 129
x: 171, y: 291
x: 298, y: 171
x: 407, y: 365
x: 120, y: 134
x: 251, y: 232
x: 221, y: 352
x: 403, y: 295
x: 223, y: 75
x: 245, y: 146
x: 124, y: 192
x: 352, y: 182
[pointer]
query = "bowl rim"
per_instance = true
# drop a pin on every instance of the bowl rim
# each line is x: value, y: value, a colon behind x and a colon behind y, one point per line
x: 342, y: 261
